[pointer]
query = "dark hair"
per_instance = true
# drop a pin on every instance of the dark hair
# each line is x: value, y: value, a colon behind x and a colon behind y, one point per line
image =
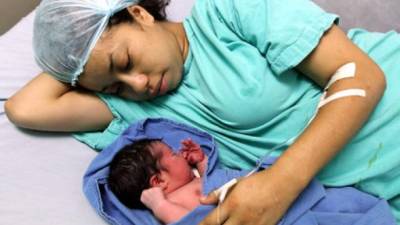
x: 155, y: 7
x: 130, y: 172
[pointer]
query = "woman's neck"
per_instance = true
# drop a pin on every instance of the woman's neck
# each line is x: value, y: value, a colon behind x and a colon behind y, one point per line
x: 179, y: 33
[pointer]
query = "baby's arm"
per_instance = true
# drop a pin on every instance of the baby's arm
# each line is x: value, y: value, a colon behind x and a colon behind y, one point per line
x: 164, y: 210
x: 193, y: 153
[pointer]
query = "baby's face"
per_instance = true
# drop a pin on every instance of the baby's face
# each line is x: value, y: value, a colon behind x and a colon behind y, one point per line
x: 174, y: 168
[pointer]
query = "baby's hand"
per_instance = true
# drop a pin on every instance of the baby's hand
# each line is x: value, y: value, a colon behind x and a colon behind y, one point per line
x: 192, y: 152
x: 152, y: 198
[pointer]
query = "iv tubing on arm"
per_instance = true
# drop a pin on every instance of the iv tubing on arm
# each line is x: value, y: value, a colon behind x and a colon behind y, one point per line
x: 346, y: 71
x: 338, y: 121
x: 269, y: 193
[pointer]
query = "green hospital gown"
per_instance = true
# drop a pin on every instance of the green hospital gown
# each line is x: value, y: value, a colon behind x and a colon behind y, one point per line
x: 240, y: 86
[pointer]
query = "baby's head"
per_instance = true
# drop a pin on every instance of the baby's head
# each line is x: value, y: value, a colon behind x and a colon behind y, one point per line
x: 145, y: 164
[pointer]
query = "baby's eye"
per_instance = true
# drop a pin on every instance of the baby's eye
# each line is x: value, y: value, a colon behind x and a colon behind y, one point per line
x: 173, y: 153
x: 177, y: 155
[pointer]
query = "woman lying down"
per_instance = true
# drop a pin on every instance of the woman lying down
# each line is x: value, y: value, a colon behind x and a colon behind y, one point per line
x: 157, y: 171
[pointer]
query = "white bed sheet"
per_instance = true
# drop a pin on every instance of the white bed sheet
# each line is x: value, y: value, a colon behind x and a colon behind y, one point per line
x: 40, y: 178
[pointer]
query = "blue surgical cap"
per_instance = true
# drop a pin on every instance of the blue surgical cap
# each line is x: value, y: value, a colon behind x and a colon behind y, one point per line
x: 66, y: 31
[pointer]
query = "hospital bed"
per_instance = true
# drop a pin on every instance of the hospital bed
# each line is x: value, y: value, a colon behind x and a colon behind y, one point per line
x: 41, y: 173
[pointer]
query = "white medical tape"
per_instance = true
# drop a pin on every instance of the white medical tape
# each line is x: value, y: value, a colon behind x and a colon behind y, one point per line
x: 223, y: 190
x: 341, y: 94
x: 196, y: 172
x: 346, y: 71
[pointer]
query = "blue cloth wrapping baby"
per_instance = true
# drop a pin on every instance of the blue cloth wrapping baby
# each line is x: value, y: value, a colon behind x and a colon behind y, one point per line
x: 316, y: 205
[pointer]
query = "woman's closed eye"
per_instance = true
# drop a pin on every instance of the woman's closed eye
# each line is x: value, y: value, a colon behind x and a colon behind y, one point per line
x: 125, y: 63
x: 120, y: 62
x: 128, y: 65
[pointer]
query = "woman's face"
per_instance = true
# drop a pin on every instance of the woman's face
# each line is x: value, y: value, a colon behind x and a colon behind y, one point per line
x: 139, y: 60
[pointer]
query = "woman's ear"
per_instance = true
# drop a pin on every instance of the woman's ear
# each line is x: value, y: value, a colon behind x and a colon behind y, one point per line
x: 140, y: 15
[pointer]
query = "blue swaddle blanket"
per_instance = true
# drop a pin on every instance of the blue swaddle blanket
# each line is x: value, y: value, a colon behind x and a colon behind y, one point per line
x: 316, y: 205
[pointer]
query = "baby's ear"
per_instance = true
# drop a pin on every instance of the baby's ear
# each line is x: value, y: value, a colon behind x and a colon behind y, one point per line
x: 156, y: 180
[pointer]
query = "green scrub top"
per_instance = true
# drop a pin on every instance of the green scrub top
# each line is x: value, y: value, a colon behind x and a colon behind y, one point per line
x: 240, y: 85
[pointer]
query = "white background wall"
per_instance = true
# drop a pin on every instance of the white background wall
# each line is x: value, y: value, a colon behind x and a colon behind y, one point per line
x: 11, y: 12
x: 376, y: 15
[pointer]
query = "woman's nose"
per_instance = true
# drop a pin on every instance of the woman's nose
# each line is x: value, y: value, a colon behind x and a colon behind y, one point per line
x: 138, y: 82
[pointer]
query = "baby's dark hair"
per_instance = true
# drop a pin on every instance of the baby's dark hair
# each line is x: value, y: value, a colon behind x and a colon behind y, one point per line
x: 130, y: 172
x: 155, y: 7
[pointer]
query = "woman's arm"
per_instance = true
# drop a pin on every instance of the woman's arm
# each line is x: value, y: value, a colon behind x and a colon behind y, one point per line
x: 264, y: 197
x: 47, y: 104
x: 337, y: 122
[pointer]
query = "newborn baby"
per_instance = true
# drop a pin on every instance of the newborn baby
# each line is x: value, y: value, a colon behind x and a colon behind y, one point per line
x: 169, y: 182
x: 169, y: 174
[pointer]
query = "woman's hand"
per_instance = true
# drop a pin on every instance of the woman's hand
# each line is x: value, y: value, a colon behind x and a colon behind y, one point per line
x: 260, y: 199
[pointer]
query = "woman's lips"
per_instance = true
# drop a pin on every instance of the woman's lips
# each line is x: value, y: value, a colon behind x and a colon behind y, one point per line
x: 164, y: 86
x: 156, y: 91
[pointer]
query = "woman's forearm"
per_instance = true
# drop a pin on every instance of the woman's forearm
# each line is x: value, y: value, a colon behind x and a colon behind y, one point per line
x: 47, y: 104
x: 324, y: 138
x: 334, y: 125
